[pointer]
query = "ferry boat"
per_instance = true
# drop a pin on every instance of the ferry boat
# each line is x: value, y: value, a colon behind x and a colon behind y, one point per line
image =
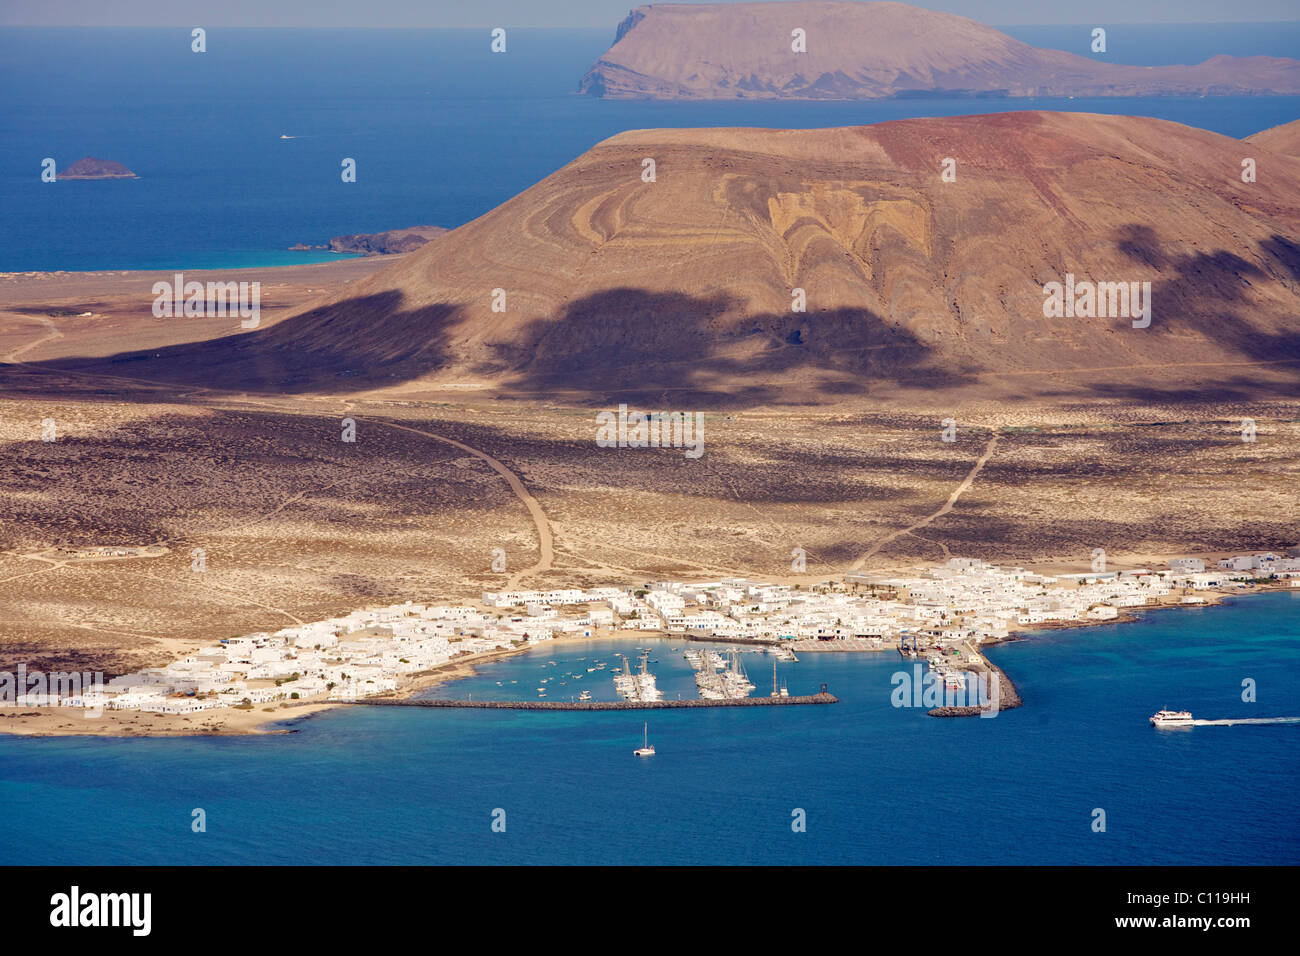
x: 1172, y: 718
x: 645, y: 750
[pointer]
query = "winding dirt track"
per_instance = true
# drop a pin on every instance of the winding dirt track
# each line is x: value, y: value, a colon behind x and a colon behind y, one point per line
x: 947, y: 506
x: 546, y: 551
x: 545, y: 538
x: 541, y: 523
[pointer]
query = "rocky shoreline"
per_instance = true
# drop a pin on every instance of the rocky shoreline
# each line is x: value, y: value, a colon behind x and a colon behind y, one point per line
x: 389, y: 243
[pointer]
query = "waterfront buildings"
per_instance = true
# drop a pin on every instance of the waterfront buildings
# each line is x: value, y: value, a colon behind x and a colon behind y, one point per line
x: 375, y: 650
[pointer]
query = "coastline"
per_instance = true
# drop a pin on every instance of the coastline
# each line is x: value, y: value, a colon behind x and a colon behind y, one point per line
x: 233, y: 721
x: 237, y: 722
x: 239, y: 261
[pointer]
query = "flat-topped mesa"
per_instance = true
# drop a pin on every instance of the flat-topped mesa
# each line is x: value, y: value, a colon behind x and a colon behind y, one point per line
x: 92, y: 168
x: 830, y: 49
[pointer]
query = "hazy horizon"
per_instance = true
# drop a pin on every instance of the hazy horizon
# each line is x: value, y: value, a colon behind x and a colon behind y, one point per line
x: 578, y: 14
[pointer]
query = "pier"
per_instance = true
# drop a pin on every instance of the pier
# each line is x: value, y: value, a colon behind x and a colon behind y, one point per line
x: 820, y: 698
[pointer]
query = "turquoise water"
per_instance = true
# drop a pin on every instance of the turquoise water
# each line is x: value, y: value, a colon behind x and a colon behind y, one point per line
x: 877, y: 784
x: 441, y: 129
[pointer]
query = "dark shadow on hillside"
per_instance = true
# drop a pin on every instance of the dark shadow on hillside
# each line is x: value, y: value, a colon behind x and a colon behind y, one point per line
x: 672, y: 350
x: 627, y: 342
x: 345, y: 347
x: 1208, y: 293
x: 645, y: 346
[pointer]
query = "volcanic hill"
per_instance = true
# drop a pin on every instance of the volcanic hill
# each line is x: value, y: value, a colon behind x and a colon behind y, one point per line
x: 684, y: 285
x: 871, y: 50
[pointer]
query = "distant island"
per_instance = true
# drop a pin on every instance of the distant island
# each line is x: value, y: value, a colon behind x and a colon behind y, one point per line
x: 392, y: 242
x: 853, y: 50
x: 92, y: 168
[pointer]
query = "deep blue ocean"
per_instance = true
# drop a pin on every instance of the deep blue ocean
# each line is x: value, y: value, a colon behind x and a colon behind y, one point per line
x: 442, y: 130
x: 877, y: 784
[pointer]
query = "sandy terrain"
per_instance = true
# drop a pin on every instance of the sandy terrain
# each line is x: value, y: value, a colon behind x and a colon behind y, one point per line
x: 198, y: 486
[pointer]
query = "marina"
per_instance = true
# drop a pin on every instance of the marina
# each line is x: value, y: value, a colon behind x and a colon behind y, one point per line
x: 942, y: 614
x: 450, y: 765
x: 822, y: 697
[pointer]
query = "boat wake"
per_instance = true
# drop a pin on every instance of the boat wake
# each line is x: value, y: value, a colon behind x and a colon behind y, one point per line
x: 1246, y: 720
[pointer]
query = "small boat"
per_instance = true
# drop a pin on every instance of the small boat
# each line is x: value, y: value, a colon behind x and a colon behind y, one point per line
x: 645, y: 750
x: 585, y: 695
x: 1172, y: 718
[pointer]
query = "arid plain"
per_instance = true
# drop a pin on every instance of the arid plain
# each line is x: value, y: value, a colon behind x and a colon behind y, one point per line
x: 179, y: 441
x: 296, y: 524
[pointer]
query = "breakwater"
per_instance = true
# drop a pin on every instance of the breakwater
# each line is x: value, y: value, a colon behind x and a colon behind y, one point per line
x: 1007, y: 697
x: 720, y: 639
x: 820, y: 698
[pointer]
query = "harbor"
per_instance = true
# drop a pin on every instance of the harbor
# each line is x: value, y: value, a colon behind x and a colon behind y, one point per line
x: 965, y: 674
x: 822, y: 697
